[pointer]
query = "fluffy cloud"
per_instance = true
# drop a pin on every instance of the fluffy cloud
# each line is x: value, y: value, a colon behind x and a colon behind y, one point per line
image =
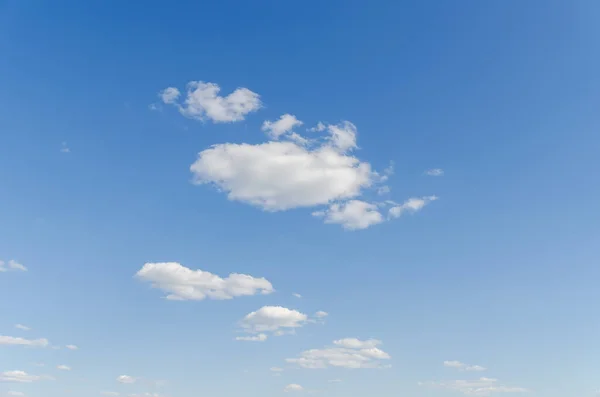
x: 435, y: 172
x: 347, y: 353
x: 411, y: 205
x: 286, y: 123
x: 463, y: 366
x: 10, y: 340
x: 12, y: 265
x: 126, y: 379
x: 256, y: 338
x: 274, y: 319
x: 203, y: 102
x: 321, y: 314
x: 22, y: 327
x: 293, y: 387
x: 290, y: 171
x: 352, y: 215
x: 182, y: 283
x: 64, y: 367
x: 20, y: 377
x: 478, y: 387
x: 281, y: 175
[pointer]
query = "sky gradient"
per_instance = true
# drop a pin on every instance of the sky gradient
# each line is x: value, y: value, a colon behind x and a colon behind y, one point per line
x: 398, y: 198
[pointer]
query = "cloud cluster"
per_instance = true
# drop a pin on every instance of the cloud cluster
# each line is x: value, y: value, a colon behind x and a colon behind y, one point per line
x: 203, y: 102
x: 289, y: 170
x: 182, y: 283
x: 346, y: 353
x: 11, y: 265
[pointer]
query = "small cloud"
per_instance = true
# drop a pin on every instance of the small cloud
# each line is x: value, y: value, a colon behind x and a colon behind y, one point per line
x: 321, y: 314
x: 435, y: 172
x: 155, y: 107
x: 13, y: 393
x: 126, y: 379
x: 72, y: 347
x: 12, y: 265
x: 293, y: 387
x: 257, y: 338
x: 414, y: 204
x: 22, y: 327
x: 276, y: 369
x: 64, y: 367
x: 286, y: 123
x: 464, y: 367
x: 64, y: 148
x: 320, y: 127
x: 297, y: 295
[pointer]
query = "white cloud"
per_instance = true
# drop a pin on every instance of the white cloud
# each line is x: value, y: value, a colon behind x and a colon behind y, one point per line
x: 202, y: 102
x: 463, y: 366
x: 182, y: 283
x: 20, y: 377
x: 286, y: 123
x: 411, y: 205
x: 320, y: 127
x: 435, y: 172
x: 352, y: 215
x: 14, y: 393
x: 343, y: 135
x: 321, y: 314
x: 293, y: 387
x: 72, y: 347
x: 256, y: 338
x: 349, y: 353
x: 354, y: 343
x: 64, y: 148
x: 126, y: 379
x: 169, y: 95
x: 277, y: 176
x: 22, y: 327
x: 297, y: 295
x: 478, y: 387
x: 273, y: 319
x: 15, y: 341
x: 12, y: 265
x: 64, y: 367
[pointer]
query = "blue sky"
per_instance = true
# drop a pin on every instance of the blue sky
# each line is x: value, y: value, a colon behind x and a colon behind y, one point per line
x: 423, y: 174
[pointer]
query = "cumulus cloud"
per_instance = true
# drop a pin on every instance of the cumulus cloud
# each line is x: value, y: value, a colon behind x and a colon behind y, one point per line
x: 282, y: 175
x: 15, y: 341
x: 352, y: 215
x: 414, y: 204
x: 435, y: 172
x: 11, y: 265
x: 464, y: 367
x: 293, y: 387
x: 21, y: 377
x: 346, y: 353
x: 182, y: 283
x: 126, y: 379
x: 284, y: 124
x: 477, y: 387
x: 256, y: 338
x: 290, y: 171
x: 275, y: 319
x: 203, y: 102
